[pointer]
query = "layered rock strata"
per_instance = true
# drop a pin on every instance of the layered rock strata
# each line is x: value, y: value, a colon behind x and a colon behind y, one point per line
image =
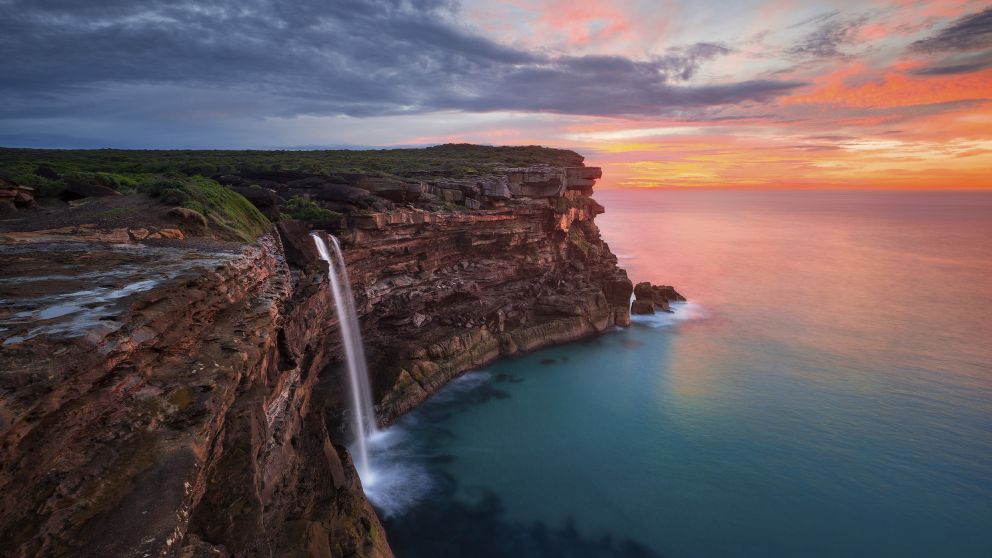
x: 168, y: 396
x: 442, y: 293
x: 173, y: 402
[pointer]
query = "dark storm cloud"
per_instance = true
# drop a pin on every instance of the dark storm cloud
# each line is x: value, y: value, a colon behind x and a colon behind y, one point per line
x: 168, y: 59
x: 832, y: 32
x: 964, y: 46
x: 952, y: 69
x: 970, y: 32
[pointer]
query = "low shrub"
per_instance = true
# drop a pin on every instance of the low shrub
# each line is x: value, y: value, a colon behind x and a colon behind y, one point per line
x: 306, y: 210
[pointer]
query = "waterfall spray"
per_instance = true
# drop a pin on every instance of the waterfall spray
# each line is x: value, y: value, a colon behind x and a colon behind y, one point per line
x: 351, y: 335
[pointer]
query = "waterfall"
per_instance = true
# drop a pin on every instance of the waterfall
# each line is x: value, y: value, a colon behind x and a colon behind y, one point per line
x: 351, y: 335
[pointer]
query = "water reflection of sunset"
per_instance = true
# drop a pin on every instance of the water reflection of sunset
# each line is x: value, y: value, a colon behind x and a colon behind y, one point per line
x: 737, y: 251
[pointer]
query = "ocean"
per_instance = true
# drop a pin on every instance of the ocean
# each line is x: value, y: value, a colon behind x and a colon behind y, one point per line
x: 826, y: 391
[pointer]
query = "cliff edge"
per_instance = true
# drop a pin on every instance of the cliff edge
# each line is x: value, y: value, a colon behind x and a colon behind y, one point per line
x: 172, y: 380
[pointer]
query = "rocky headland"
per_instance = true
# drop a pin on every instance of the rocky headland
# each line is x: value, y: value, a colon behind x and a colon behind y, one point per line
x: 170, y: 370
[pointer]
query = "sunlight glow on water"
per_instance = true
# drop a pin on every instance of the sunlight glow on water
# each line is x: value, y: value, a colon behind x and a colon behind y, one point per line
x: 827, y: 391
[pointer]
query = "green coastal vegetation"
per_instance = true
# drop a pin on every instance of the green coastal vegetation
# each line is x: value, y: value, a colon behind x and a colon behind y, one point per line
x: 189, y: 179
x: 221, y: 207
x: 122, y: 169
x: 306, y: 210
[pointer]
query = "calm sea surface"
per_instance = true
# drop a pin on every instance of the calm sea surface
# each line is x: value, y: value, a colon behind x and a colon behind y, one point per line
x: 826, y: 392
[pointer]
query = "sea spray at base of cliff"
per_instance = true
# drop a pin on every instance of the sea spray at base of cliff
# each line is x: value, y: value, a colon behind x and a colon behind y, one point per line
x: 400, y: 473
x: 395, y: 481
x: 681, y: 311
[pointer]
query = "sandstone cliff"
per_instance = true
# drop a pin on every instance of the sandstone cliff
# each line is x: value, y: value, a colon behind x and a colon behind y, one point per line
x: 442, y: 293
x: 183, y: 397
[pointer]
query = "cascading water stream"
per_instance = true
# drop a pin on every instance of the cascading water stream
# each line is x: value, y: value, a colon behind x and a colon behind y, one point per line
x: 351, y: 335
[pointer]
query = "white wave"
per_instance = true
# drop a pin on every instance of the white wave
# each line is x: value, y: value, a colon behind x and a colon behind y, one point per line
x: 397, y: 478
x: 681, y: 312
x: 394, y: 481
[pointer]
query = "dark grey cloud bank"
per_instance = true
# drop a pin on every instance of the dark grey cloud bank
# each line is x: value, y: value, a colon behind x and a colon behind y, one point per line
x: 963, y: 47
x: 167, y: 60
x: 970, y: 32
x: 830, y: 34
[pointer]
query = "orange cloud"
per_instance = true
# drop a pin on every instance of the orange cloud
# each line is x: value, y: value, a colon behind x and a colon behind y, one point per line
x: 893, y: 88
x: 867, y: 119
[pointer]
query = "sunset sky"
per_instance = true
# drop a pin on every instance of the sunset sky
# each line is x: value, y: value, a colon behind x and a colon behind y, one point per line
x: 779, y: 93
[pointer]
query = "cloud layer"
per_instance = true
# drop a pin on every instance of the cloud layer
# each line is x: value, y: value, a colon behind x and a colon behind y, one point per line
x: 744, y: 93
x: 261, y: 58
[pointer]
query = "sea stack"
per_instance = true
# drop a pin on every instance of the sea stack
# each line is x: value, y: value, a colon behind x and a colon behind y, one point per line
x: 649, y: 298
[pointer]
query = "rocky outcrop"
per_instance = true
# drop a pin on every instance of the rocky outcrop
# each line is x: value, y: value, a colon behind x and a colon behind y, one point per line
x: 76, y: 190
x: 170, y: 395
x: 14, y: 196
x: 358, y: 192
x: 650, y: 298
x: 441, y: 292
x: 173, y: 402
x: 444, y: 292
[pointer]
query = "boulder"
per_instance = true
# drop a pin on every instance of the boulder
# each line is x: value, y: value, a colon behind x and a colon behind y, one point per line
x: 668, y: 293
x: 659, y: 295
x: 46, y: 171
x: 24, y: 196
x: 262, y: 198
x: 642, y: 307
x: 78, y: 190
x: 296, y: 241
x: 174, y: 234
x: 642, y: 291
x: 14, y: 196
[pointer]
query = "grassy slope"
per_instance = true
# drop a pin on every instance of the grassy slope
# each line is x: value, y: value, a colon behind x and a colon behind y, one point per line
x: 224, y: 209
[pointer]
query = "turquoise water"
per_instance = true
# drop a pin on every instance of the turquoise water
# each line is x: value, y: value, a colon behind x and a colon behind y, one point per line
x: 826, y: 392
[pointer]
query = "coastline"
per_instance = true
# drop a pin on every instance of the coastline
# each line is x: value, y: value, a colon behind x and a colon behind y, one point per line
x: 200, y: 411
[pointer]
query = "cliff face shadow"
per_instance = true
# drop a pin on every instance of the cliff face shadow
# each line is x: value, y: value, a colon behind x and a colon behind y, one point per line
x: 442, y: 527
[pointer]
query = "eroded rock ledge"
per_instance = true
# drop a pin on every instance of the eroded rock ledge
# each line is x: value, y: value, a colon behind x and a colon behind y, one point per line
x: 442, y: 293
x: 190, y: 415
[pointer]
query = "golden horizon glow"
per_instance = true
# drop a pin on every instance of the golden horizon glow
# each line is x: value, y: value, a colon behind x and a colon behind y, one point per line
x: 878, y: 113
